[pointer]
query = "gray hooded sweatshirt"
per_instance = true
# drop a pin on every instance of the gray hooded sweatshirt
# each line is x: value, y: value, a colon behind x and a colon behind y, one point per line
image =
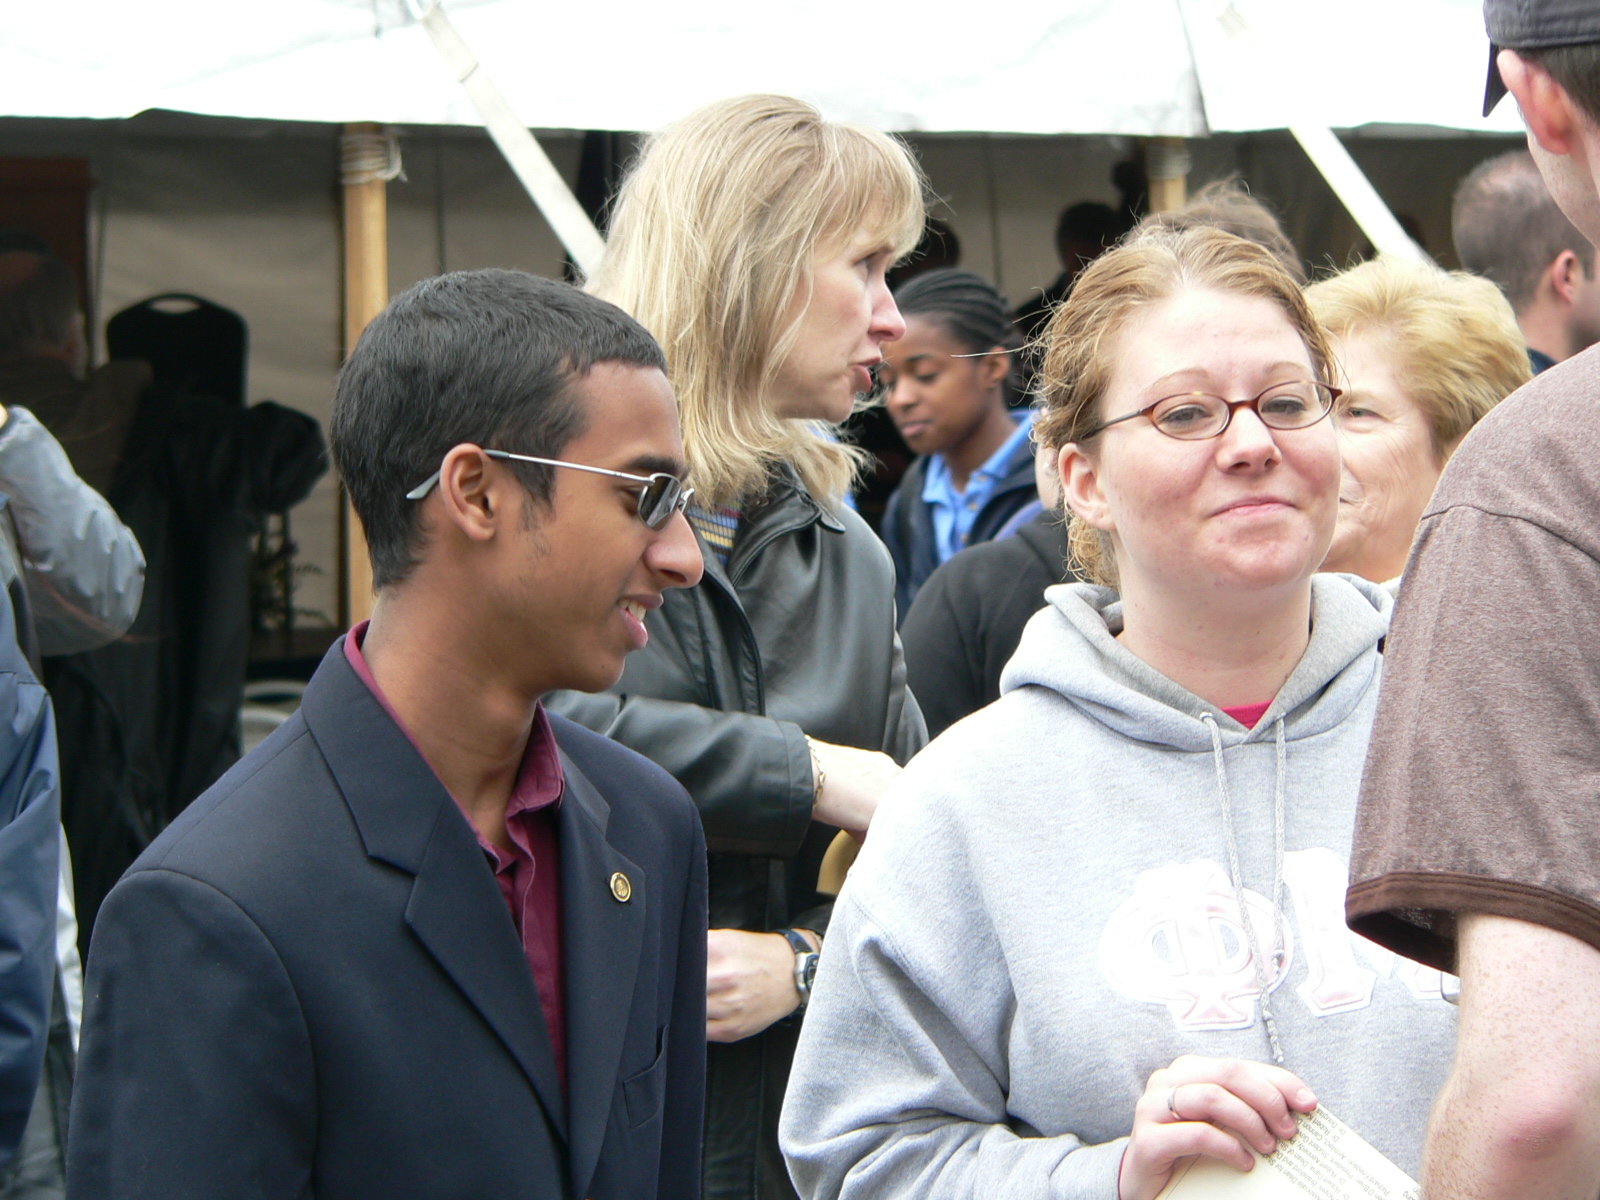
x: 1043, y: 915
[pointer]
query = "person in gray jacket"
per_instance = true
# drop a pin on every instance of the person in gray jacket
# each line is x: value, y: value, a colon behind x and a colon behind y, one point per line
x: 1098, y: 927
x: 80, y: 569
x: 752, y: 239
x: 73, y: 574
x: 75, y: 571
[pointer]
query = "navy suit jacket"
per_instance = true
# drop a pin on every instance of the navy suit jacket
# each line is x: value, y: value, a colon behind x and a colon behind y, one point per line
x: 310, y: 985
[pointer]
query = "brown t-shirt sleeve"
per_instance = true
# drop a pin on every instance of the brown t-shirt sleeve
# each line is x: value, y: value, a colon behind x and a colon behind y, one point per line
x: 1482, y: 784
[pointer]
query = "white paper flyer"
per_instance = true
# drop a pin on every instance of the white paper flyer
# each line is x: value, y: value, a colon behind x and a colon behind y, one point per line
x: 1327, y: 1160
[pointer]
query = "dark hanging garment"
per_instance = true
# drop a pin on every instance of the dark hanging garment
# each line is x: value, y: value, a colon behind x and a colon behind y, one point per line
x: 191, y: 344
x: 151, y: 721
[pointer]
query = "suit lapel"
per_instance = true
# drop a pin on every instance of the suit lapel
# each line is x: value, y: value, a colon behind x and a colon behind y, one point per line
x: 602, y: 938
x: 457, y: 912
x: 408, y: 820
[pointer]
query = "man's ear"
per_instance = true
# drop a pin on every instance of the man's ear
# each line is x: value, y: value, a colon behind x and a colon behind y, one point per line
x: 472, y: 493
x: 1080, y: 487
x: 1548, y: 111
x: 1567, y: 276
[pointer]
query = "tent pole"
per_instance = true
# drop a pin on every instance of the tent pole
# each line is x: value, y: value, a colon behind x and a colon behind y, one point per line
x: 1326, y: 152
x: 1167, y: 170
x: 1355, y: 191
x: 544, y: 184
x: 369, y: 158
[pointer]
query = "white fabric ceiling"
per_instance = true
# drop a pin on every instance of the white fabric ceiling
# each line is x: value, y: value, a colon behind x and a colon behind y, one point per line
x: 1144, y: 67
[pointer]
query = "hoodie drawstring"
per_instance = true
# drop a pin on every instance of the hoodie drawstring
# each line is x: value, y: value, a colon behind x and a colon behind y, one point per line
x: 1238, y: 876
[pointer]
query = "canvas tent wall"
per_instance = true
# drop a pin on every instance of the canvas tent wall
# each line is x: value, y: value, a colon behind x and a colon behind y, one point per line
x: 246, y: 213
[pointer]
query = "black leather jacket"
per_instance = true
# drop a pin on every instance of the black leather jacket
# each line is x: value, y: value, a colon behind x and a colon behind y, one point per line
x: 795, y: 637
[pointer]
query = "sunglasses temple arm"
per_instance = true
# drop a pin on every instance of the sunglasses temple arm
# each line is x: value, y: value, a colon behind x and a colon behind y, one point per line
x: 423, y: 488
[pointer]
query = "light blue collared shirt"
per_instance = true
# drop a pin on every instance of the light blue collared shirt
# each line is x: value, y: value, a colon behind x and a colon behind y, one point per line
x: 955, y: 512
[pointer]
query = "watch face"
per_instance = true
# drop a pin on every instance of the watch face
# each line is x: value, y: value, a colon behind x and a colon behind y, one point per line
x: 808, y: 970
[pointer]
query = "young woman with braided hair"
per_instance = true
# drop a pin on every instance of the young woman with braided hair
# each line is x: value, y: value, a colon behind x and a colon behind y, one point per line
x: 950, y: 388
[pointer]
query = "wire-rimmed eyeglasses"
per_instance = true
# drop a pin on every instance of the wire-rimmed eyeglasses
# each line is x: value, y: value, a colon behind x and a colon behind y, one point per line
x: 661, y: 496
x: 1196, y: 416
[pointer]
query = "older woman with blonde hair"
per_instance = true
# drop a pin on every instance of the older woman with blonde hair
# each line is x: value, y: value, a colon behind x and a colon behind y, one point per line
x: 752, y: 238
x: 1098, y: 927
x: 1423, y: 355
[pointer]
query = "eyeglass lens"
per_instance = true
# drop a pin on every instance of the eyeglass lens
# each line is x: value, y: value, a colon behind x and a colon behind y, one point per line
x: 1293, y: 406
x: 660, y: 499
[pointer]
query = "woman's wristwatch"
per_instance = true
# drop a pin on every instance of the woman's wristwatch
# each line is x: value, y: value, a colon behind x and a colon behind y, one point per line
x: 805, y: 963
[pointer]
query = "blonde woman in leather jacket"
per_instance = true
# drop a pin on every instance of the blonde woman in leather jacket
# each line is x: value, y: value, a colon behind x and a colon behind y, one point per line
x: 752, y: 238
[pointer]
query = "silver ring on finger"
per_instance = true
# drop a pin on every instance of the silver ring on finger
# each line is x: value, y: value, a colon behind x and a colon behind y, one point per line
x: 1172, y: 1103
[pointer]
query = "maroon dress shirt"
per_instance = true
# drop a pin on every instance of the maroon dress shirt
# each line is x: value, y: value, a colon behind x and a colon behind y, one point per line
x: 529, y: 873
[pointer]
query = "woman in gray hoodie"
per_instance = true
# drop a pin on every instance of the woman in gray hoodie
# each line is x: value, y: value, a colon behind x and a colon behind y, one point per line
x: 1098, y: 927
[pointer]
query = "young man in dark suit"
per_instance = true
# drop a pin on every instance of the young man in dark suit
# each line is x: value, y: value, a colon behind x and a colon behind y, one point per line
x: 427, y: 940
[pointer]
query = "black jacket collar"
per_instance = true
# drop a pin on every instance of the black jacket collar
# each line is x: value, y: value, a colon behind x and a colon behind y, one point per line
x: 786, y: 507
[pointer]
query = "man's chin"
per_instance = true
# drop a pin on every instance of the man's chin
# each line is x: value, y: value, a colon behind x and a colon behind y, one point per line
x: 598, y: 673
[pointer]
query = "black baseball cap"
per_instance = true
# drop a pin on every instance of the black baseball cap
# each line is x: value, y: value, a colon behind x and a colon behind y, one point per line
x: 1534, y: 25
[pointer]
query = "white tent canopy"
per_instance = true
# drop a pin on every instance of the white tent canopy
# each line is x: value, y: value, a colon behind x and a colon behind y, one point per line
x: 1141, y: 67
x: 172, y: 204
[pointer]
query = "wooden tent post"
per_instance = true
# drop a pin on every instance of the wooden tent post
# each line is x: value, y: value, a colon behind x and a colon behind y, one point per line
x: 369, y: 158
x: 1167, y: 169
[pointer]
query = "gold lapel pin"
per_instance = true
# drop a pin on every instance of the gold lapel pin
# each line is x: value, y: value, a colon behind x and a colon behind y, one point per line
x: 621, y: 888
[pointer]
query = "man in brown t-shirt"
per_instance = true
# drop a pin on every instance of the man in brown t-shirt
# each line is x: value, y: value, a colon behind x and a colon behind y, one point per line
x: 1478, y: 841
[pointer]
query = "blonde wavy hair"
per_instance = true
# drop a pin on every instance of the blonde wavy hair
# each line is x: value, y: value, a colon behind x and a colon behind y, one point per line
x: 715, y: 231
x: 1452, y: 337
x: 1081, y: 342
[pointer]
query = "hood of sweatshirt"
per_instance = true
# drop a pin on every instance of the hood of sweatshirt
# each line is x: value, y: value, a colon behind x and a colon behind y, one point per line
x: 1070, y: 647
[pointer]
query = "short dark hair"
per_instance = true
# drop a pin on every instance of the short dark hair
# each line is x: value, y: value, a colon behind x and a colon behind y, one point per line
x: 1576, y: 68
x: 38, y: 302
x: 1508, y: 229
x: 483, y: 357
x: 1088, y: 221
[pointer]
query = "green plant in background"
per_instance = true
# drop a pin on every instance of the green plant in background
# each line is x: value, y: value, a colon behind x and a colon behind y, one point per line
x: 274, y: 580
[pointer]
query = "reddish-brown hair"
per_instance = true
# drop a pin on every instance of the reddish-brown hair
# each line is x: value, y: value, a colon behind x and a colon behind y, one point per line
x: 1081, y: 341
